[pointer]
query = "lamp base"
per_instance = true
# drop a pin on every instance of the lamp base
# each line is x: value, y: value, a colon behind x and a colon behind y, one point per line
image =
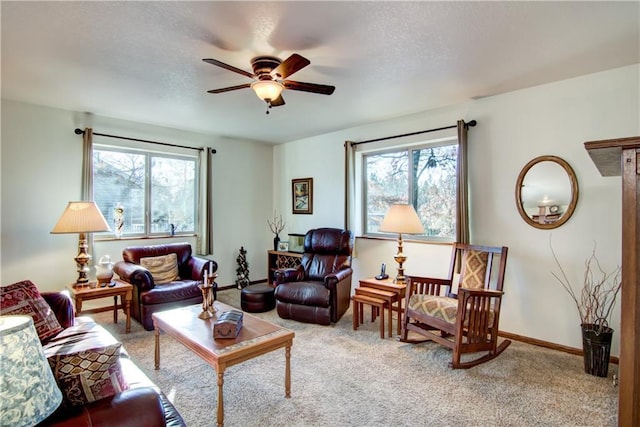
x: 82, y: 261
x: 400, y: 259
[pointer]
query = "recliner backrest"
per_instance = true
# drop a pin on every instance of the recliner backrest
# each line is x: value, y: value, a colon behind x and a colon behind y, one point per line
x: 326, y: 250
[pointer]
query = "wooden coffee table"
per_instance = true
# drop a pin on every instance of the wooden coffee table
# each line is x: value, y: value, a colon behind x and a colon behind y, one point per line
x: 256, y: 337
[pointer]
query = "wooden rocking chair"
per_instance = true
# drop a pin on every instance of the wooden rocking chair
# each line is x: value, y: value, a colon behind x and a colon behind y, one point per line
x: 466, y: 322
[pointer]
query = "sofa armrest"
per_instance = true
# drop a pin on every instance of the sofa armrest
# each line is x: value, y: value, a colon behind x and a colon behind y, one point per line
x: 134, y: 407
x: 196, y: 266
x: 135, y: 274
x: 62, y: 306
x: 285, y: 275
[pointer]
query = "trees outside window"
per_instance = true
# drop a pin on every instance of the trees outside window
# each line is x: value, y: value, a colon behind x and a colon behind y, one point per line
x: 157, y: 191
x: 424, y: 177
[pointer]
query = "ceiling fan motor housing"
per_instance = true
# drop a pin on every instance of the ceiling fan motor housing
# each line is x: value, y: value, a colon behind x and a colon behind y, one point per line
x: 263, y: 65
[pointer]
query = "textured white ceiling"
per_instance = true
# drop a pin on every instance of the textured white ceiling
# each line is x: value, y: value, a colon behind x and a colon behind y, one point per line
x: 142, y: 61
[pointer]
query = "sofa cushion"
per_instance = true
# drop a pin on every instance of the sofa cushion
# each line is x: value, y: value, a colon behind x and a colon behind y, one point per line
x: 24, y: 298
x: 164, y: 268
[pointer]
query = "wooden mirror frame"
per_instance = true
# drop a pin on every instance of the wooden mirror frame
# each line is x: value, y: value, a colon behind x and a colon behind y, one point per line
x: 574, y: 192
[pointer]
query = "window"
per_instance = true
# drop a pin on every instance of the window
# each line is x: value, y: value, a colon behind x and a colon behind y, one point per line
x: 423, y: 176
x: 158, y: 191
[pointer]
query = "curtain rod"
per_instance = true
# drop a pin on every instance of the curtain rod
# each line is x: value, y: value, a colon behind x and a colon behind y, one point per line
x: 79, y: 131
x: 471, y: 123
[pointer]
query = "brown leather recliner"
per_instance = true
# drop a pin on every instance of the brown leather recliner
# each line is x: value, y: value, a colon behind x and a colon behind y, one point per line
x: 149, y: 298
x: 319, y: 289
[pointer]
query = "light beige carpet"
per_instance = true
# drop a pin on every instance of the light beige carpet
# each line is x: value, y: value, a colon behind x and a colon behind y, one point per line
x: 342, y: 377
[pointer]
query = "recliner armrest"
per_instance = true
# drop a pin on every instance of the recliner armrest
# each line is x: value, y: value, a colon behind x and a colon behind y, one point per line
x: 135, y: 274
x: 285, y: 275
x: 337, y: 277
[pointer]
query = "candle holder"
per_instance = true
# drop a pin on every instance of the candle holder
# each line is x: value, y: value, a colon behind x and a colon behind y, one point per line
x: 208, y: 296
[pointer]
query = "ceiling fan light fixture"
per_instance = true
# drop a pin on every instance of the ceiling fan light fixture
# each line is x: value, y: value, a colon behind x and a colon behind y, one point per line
x: 267, y: 89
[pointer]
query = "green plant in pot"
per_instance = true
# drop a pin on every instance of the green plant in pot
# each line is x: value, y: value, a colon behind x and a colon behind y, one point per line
x: 595, y: 302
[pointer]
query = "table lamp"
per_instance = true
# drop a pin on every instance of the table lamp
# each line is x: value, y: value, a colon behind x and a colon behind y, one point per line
x: 401, y: 219
x: 82, y: 218
x: 29, y: 390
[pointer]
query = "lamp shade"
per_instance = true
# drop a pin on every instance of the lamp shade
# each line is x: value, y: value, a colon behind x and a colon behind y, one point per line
x: 28, y: 390
x: 401, y: 219
x: 267, y: 89
x: 81, y: 217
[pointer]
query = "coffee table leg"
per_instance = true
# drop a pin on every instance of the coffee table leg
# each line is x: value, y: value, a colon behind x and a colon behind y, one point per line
x: 115, y: 309
x: 287, y: 371
x: 157, y: 350
x: 220, y: 415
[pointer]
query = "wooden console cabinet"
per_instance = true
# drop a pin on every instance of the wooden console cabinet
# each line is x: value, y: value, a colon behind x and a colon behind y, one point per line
x: 279, y: 259
x: 621, y: 157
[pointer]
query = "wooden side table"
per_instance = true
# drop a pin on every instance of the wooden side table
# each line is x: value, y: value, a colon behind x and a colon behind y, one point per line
x: 123, y: 289
x: 389, y: 286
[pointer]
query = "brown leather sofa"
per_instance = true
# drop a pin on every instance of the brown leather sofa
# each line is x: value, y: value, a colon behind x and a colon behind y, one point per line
x: 143, y: 404
x: 319, y: 289
x: 149, y: 298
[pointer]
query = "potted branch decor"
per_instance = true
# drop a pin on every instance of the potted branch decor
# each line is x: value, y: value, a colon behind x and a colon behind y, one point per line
x: 276, y: 226
x: 594, y: 303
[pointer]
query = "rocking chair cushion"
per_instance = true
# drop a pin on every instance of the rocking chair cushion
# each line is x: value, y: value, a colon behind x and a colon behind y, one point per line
x: 443, y: 308
x: 475, y: 268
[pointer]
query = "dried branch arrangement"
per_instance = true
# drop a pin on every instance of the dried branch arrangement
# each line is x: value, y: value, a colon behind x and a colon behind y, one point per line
x: 599, y: 291
x: 277, y: 225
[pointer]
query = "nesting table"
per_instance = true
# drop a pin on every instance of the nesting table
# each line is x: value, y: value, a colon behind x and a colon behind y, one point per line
x: 392, y: 292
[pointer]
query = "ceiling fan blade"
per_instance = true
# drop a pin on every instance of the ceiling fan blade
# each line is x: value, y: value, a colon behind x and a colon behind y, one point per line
x: 309, y: 87
x: 229, y: 67
x: 278, y: 101
x: 230, y: 88
x: 289, y: 66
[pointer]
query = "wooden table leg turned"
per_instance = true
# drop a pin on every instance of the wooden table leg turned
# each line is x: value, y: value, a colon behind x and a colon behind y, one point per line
x: 157, y: 350
x: 287, y: 372
x: 220, y: 415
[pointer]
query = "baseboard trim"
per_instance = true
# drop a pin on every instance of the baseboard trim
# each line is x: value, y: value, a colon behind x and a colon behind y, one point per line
x: 227, y: 287
x: 550, y: 345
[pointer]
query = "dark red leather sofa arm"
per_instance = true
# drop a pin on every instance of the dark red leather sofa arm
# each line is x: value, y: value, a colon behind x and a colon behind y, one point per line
x: 136, y: 407
x: 134, y: 274
x: 196, y: 266
x: 62, y: 306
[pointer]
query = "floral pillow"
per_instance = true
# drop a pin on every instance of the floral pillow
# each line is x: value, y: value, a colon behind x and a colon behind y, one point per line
x: 164, y: 268
x: 23, y: 298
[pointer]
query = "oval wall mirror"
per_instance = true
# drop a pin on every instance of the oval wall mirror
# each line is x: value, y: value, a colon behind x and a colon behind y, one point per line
x: 546, y: 192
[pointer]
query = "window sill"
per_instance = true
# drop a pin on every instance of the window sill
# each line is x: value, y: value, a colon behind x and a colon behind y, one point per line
x: 115, y: 239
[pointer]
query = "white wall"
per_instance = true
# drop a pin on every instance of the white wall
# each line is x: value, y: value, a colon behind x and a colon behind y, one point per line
x: 553, y: 119
x: 41, y: 168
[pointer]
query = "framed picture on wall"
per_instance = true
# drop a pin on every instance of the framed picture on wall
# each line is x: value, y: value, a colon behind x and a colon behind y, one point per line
x: 302, y: 195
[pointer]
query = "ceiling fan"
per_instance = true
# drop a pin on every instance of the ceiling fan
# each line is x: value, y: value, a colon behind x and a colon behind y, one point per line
x: 270, y: 74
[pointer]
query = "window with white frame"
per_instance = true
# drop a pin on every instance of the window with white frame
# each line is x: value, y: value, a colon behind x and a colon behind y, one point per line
x: 157, y: 191
x: 424, y: 176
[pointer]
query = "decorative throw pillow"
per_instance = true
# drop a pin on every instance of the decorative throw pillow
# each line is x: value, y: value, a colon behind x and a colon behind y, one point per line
x: 164, y: 268
x: 23, y: 298
x: 475, y: 268
x: 88, y: 375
